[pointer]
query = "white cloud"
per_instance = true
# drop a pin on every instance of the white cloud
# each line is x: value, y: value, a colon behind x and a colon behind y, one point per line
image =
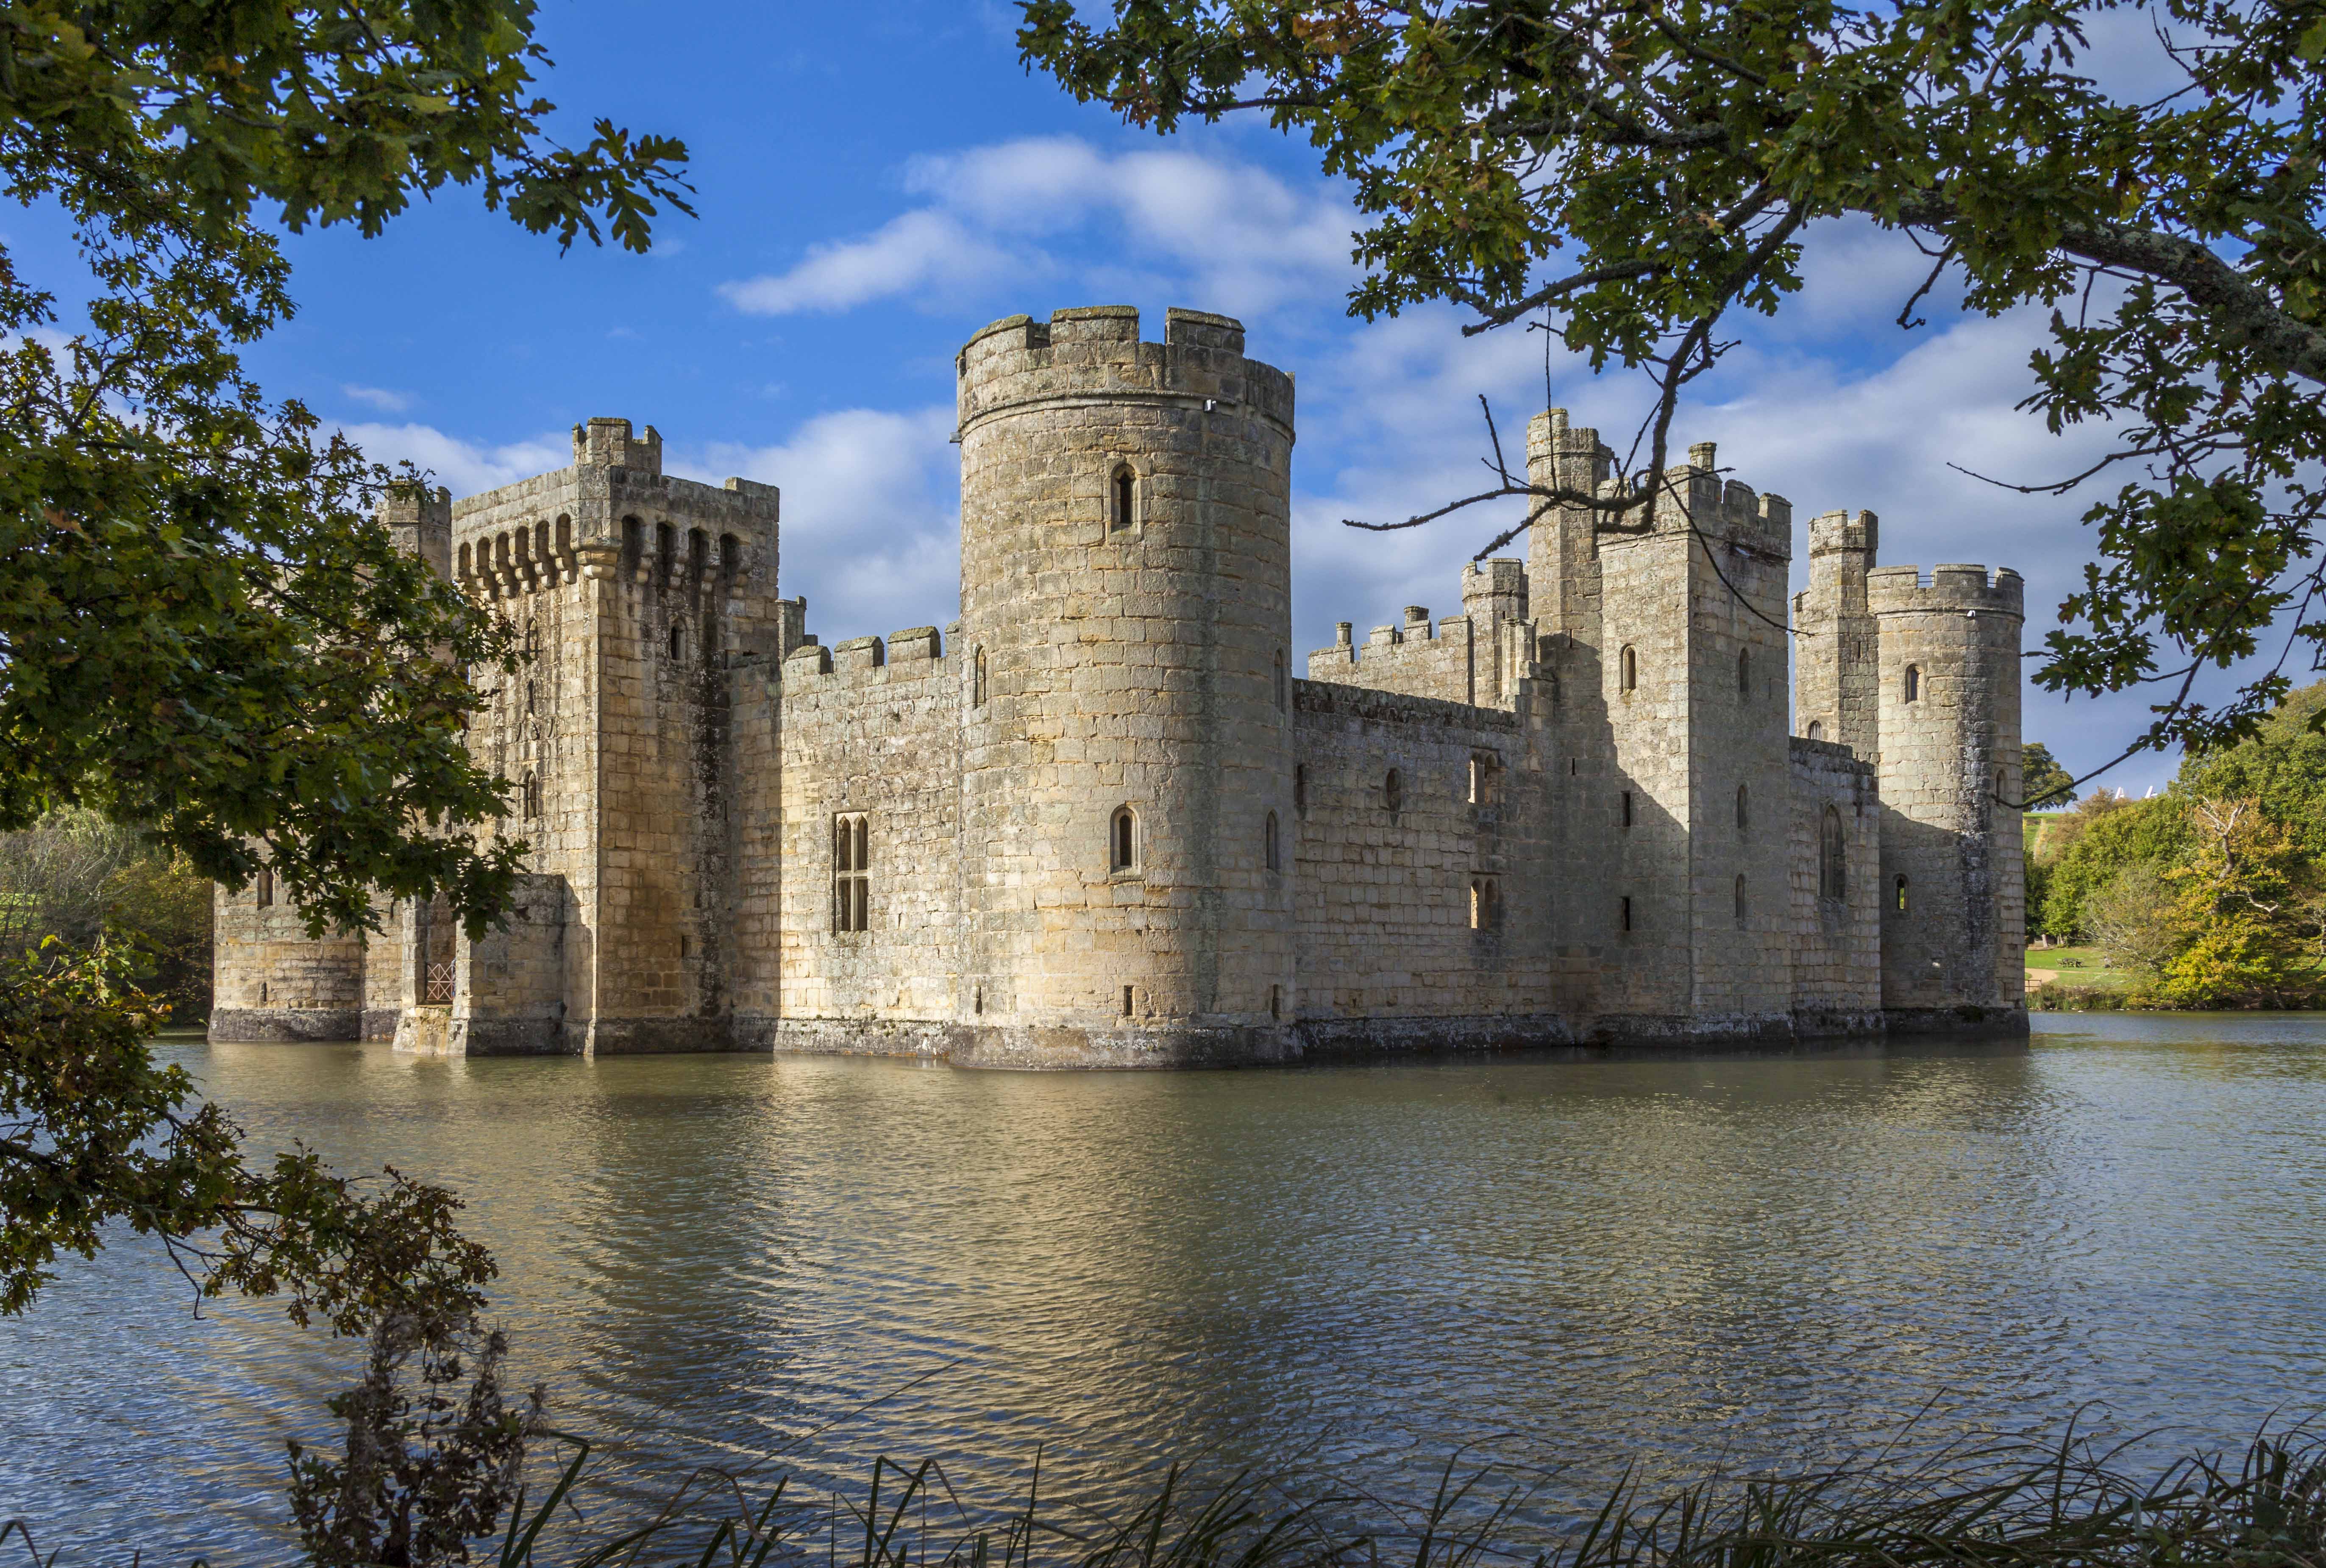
x: 379, y: 397
x: 463, y: 467
x: 1829, y: 404
x: 1239, y: 238
x: 871, y: 510
x: 920, y: 251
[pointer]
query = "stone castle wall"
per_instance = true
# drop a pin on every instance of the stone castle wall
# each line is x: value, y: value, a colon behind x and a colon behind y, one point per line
x: 271, y: 981
x: 1099, y: 821
x: 1835, y: 925
x: 870, y: 729
x: 1422, y: 871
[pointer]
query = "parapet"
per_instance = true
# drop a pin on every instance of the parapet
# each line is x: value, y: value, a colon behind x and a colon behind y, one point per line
x: 1495, y: 589
x: 1726, y: 510
x: 1095, y: 351
x: 1839, y: 533
x: 606, y: 443
x: 903, y: 656
x: 1900, y: 590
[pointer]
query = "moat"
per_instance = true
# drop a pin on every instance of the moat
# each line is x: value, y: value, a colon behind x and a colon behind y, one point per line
x: 1350, y: 1270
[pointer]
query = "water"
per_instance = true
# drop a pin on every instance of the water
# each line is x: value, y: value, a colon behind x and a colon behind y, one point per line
x: 1349, y: 1271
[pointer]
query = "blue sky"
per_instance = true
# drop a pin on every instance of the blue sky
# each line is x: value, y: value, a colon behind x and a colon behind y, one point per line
x: 876, y: 181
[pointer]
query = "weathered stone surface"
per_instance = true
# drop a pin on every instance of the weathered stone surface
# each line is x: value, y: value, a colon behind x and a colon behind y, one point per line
x: 1574, y: 816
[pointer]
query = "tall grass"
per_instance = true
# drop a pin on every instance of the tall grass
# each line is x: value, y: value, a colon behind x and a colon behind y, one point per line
x: 2014, y: 1505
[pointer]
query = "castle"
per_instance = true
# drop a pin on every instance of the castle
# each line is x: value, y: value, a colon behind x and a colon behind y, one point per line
x: 1104, y: 819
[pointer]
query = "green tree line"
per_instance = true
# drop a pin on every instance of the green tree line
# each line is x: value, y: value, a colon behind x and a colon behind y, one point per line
x: 82, y: 880
x: 2212, y: 893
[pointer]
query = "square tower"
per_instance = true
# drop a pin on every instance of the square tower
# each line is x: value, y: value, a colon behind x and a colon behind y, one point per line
x: 630, y: 591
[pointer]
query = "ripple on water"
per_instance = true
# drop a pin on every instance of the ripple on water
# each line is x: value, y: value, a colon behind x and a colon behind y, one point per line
x: 712, y: 1259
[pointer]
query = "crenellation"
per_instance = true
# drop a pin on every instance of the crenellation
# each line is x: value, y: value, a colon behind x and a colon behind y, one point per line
x: 1102, y: 819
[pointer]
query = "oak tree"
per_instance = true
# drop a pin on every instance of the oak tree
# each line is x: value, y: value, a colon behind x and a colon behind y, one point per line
x: 1637, y: 172
x: 204, y: 633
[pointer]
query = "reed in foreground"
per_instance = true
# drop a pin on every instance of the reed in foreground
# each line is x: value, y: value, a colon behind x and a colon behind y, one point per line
x: 2013, y: 1505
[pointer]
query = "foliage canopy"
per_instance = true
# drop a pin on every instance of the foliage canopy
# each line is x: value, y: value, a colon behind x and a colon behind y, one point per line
x: 1637, y: 171
x: 202, y: 630
x: 205, y: 634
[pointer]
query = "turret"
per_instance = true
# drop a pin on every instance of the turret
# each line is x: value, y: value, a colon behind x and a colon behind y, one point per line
x: 420, y: 520
x: 1494, y: 591
x: 1952, y: 895
x: 1126, y: 615
x: 1834, y: 676
x: 1562, y: 545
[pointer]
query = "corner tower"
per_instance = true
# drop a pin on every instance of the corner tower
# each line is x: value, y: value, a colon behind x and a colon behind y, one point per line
x: 1127, y: 706
x: 1948, y: 709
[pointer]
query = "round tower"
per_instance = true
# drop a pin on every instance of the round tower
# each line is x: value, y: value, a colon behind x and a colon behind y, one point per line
x: 1948, y: 709
x: 1127, y: 843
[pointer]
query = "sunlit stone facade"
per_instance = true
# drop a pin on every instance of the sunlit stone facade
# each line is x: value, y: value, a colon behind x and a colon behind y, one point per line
x: 1104, y: 820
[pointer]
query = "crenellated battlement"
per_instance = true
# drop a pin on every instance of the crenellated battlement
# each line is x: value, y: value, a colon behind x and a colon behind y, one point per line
x: 419, y: 521
x: 1730, y: 511
x: 911, y: 654
x: 1840, y: 533
x: 606, y: 443
x: 1903, y: 591
x: 614, y: 514
x: 1095, y: 351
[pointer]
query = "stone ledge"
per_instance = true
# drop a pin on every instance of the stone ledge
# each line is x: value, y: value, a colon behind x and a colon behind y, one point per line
x: 270, y: 1025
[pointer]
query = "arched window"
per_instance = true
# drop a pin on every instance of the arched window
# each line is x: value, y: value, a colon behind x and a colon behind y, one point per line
x: 1744, y: 672
x: 1125, y: 512
x: 1628, y: 671
x: 977, y: 679
x: 465, y: 573
x: 1740, y: 900
x: 1817, y: 729
x: 265, y: 887
x: 1744, y: 808
x: 1279, y: 681
x: 1833, y: 857
x: 1913, y: 682
x: 1122, y: 841
x: 1274, y: 863
x: 532, y: 796
x: 851, y: 882
x: 1301, y: 788
x: 677, y: 644
x: 1394, y: 791
x: 1901, y: 895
